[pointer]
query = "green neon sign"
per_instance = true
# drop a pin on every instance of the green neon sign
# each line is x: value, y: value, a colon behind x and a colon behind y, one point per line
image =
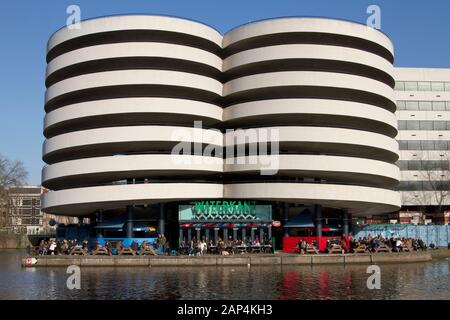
x: 225, y: 210
x: 225, y: 207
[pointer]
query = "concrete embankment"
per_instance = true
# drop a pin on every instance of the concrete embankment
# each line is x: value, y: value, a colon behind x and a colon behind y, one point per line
x: 181, y: 261
x: 13, y: 241
x: 440, y: 253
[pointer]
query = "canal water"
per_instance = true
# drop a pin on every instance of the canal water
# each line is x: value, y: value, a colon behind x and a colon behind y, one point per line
x: 429, y: 280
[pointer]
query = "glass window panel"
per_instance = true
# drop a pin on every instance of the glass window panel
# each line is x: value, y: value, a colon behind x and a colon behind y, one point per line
x: 413, y: 185
x: 401, y: 125
x: 447, y: 108
x: 403, y: 145
x: 437, y: 86
x: 412, y: 105
x: 428, y: 165
x: 447, y: 86
x: 425, y: 105
x: 426, y: 125
x: 402, y: 164
x: 401, y: 105
x: 441, y: 145
x: 402, y: 185
x: 411, y: 86
x: 427, y: 145
x: 400, y: 86
x: 438, y: 106
x: 412, y: 125
x: 437, y: 165
x: 439, y: 125
x: 413, y: 145
x: 413, y: 165
x: 424, y: 86
x: 448, y: 125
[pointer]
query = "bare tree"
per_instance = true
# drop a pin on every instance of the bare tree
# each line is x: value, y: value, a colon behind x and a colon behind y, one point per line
x: 436, y: 183
x: 12, y: 173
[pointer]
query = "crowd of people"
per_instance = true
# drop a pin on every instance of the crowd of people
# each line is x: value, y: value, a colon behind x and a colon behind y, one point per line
x: 200, y: 247
x: 395, y: 244
x: 66, y: 247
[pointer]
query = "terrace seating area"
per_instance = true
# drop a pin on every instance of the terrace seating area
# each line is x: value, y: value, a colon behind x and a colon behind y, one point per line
x: 378, y: 244
x: 194, y: 247
x: 82, y: 248
x: 381, y: 244
x: 228, y: 247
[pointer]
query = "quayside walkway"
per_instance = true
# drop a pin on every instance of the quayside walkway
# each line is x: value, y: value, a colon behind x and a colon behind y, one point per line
x: 214, y: 260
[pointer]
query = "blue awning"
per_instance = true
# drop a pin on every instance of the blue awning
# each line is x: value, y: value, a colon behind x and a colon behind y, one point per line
x: 303, y: 220
x: 121, y: 224
x: 111, y: 224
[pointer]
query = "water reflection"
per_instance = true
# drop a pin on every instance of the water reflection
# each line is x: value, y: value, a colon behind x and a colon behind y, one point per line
x: 408, y: 281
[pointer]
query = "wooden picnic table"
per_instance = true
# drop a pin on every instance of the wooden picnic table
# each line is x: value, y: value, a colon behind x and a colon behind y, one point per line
x: 310, y: 249
x: 213, y: 249
x: 78, y: 250
x: 362, y: 248
x: 336, y: 248
x: 382, y: 248
x: 256, y: 249
x: 407, y: 248
x: 240, y: 249
x: 101, y: 251
x: 127, y: 250
x: 148, y: 250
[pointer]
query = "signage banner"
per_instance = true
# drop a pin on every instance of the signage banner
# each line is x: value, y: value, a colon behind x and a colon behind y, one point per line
x: 225, y: 210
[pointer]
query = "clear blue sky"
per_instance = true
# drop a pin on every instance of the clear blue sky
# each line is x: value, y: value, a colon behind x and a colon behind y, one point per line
x: 420, y: 31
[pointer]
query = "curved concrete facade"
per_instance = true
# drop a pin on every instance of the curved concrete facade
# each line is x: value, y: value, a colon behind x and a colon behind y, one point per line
x: 123, y: 92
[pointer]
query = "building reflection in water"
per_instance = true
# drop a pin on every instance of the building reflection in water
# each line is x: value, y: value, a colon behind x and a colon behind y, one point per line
x: 398, y: 281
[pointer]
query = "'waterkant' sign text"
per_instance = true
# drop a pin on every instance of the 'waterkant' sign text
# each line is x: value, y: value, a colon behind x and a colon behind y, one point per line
x: 225, y: 210
x: 230, y: 207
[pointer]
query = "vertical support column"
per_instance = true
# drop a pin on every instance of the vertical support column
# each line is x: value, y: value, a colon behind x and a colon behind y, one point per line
x: 189, y: 235
x: 207, y: 235
x: 180, y: 236
x: 130, y: 222
x: 252, y: 233
x: 261, y: 235
x: 99, y: 221
x: 318, y: 215
x: 162, y: 221
x: 216, y: 235
x: 199, y: 235
x: 225, y: 234
x: 129, y: 230
x: 269, y: 231
x: 286, y: 218
x: 244, y: 231
x: 234, y: 234
x: 345, y: 220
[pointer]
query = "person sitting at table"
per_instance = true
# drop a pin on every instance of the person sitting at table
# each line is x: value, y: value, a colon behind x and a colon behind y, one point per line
x: 183, y: 247
x: 192, y: 246
x: 108, y: 246
x: 134, y: 246
x: 143, y: 246
x: 203, y: 247
x: 212, y: 247
x: 269, y: 246
x: 220, y: 245
x: 119, y: 246
x: 303, y: 245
